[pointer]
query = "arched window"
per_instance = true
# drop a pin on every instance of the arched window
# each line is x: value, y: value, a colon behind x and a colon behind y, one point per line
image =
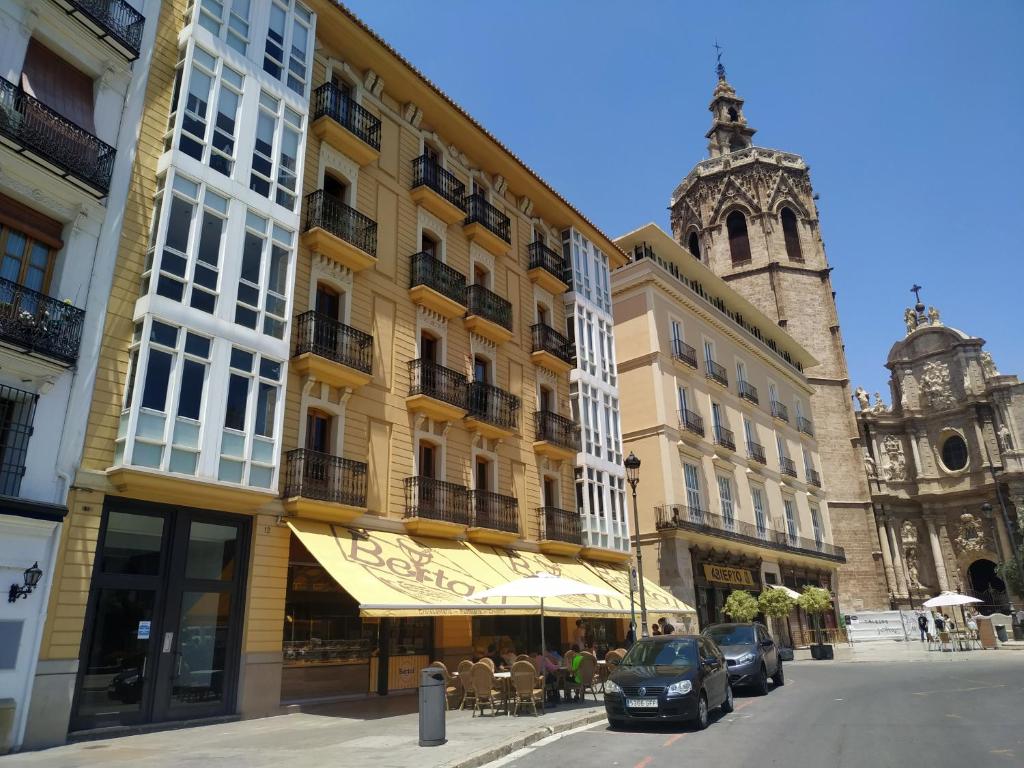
x: 791, y: 234
x: 739, y: 243
x: 693, y: 244
x: 733, y: 114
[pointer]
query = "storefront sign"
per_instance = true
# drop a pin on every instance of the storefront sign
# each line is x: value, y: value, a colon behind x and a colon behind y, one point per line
x: 725, y: 574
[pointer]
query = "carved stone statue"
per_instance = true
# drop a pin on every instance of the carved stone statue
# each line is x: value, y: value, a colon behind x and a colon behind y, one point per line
x: 879, y: 406
x: 896, y: 466
x: 869, y: 464
x: 933, y: 316
x: 971, y: 534
x: 910, y: 318
x: 936, y: 385
x: 862, y: 397
x: 988, y: 365
x: 1005, y: 441
x: 908, y: 533
x: 912, y: 568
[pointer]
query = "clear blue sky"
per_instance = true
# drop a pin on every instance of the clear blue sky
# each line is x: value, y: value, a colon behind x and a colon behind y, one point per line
x: 911, y: 115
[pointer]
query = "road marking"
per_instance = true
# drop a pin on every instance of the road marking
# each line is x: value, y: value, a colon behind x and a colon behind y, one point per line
x: 1003, y: 752
x: 644, y: 763
x: 959, y: 690
x: 673, y: 739
x: 837, y: 699
x: 742, y: 705
x: 950, y: 714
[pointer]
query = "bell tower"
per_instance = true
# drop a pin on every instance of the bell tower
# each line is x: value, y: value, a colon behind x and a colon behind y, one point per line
x: 749, y: 213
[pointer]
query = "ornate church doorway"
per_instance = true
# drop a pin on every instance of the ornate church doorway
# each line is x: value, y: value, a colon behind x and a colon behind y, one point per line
x: 988, y: 587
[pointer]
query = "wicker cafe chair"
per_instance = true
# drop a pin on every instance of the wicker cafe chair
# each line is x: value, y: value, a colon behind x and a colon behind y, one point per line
x: 466, y: 681
x: 483, y: 686
x: 567, y: 659
x: 451, y: 691
x: 588, y: 666
x: 523, y: 657
x: 488, y: 661
x: 527, y: 687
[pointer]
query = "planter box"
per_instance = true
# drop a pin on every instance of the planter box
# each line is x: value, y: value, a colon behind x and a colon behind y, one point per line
x: 786, y: 654
x: 822, y: 652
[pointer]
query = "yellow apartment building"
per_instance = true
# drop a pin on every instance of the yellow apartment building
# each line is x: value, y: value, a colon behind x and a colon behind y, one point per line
x: 731, y: 494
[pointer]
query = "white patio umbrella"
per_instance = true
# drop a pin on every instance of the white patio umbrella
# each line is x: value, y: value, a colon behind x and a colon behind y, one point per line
x: 542, y: 585
x: 947, y: 598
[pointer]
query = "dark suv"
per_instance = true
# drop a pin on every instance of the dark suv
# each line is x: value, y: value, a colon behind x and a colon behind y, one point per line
x: 750, y: 653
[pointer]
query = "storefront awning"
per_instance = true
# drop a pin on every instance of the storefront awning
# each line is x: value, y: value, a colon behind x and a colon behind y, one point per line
x: 658, y: 599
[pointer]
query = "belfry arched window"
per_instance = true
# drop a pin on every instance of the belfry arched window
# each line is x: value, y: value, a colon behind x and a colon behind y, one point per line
x: 739, y: 243
x: 693, y: 245
x: 792, y: 236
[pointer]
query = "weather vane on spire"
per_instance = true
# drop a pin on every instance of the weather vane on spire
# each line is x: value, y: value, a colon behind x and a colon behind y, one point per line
x: 720, y: 69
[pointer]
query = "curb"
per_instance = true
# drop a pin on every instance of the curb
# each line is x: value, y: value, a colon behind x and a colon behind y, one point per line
x: 521, y: 742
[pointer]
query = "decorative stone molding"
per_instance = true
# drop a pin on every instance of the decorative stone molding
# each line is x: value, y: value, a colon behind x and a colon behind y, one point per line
x: 478, y: 345
x: 935, y: 383
x: 500, y: 185
x: 908, y: 533
x: 971, y: 536
x: 427, y: 319
x: 331, y: 158
x: 525, y: 205
x: 412, y: 114
x: 428, y: 221
x: 373, y: 83
x: 1005, y: 440
x: 896, y: 465
x: 478, y: 255
x: 988, y: 365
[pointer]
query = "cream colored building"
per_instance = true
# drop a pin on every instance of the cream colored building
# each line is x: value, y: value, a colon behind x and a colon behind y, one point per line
x: 730, y: 493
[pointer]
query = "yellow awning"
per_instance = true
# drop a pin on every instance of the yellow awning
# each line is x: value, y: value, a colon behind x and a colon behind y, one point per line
x: 658, y: 599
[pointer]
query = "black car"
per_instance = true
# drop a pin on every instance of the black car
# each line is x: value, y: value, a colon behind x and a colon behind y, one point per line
x: 751, y: 654
x: 675, y: 678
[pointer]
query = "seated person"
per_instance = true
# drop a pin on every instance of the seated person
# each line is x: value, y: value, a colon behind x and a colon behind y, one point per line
x: 554, y: 656
x: 549, y: 670
x: 492, y: 654
x: 508, y: 655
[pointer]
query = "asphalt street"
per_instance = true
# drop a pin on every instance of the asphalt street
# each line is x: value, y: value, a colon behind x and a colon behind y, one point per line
x: 963, y: 712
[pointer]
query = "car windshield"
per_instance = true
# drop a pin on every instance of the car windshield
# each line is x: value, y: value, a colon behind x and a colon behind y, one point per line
x: 731, y: 635
x: 675, y: 653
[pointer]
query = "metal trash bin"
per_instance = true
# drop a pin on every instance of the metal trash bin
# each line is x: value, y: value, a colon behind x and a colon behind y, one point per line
x: 432, y: 707
x: 1001, y: 633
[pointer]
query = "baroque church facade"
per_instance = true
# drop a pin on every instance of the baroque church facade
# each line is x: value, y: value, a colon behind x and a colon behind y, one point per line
x: 749, y: 214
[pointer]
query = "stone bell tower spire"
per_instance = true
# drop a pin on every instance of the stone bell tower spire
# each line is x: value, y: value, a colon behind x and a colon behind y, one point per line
x: 729, y: 130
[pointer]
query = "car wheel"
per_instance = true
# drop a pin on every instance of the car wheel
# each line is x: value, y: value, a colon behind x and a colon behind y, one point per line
x: 616, y: 725
x: 729, y: 704
x: 762, y: 682
x: 702, y: 712
x: 779, y: 678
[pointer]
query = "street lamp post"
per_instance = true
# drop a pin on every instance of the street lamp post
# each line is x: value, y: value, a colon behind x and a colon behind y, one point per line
x: 633, y: 477
x: 632, y: 608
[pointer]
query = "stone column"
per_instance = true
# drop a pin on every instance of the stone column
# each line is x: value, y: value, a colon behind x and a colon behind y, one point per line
x: 1002, y: 540
x: 918, y: 468
x: 897, y: 558
x: 940, y: 565
x: 883, y: 541
x: 943, y: 536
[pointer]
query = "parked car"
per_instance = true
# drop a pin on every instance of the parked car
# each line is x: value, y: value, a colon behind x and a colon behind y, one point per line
x: 751, y: 654
x: 676, y: 678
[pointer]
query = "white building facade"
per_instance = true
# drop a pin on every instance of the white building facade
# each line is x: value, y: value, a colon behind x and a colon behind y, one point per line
x: 600, y: 474
x: 71, y: 94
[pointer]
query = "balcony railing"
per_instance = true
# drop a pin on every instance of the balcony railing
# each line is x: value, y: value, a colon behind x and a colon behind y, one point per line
x: 725, y: 437
x: 113, y: 18
x: 683, y: 351
x: 747, y: 391
x: 38, y: 323
x: 547, y: 259
x: 329, y: 213
x: 756, y: 452
x: 436, y: 500
x: 19, y: 409
x: 326, y: 337
x: 428, y: 378
x: 805, y: 425
x: 493, y: 405
x: 716, y: 372
x: 321, y: 476
x: 786, y: 466
x: 813, y: 478
x: 330, y: 101
x: 494, y: 511
x: 557, y: 429
x: 691, y: 422
x: 58, y: 142
x: 427, y: 172
x: 679, y: 516
x: 480, y: 211
x: 779, y: 411
x: 438, y: 276
x: 489, y: 306
x: 560, y: 525
x: 547, y: 339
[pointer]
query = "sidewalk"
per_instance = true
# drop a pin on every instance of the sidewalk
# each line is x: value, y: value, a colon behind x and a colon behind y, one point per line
x: 379, y: 732
x: 895, y: 651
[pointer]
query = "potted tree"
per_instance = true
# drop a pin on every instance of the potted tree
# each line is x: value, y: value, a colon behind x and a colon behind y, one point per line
x: 740, y: 606
x: 816, y: 601
x: 776, y: 604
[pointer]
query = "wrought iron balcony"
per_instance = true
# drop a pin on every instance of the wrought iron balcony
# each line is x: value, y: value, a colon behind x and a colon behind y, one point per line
x: 330, y: 101
x: 560, y: 525
x: 326, y: 337
x: 493, y: 405
x: 681, y: 517
x: 786, y: 466
x: 479, y: 211
x: 813, y: 478
x: 330, y: 214
x: 112, y: 20
x: 427, y: 172
x: 724, y: 437
x: 321, y: 476
x: 19, y: 414
x: 805, y: 425
x: 716, y: 372
x: 494, y: 511
x: 691, y: 422
x: 547, y: 339
x: 747, y: 391
x: 684, y: 352
x: 557, y: 429
x: 542, y: 257
x: 433, y: 499
x: 488, y: 305
x: 438, y: 276
x: 37, y: 323
x: 779, y: 411
x: 428, y: 378
x: 756, y: 452
x: 32, y: 128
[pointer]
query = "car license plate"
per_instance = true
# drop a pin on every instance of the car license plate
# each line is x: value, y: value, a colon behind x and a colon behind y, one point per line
x: 642, y: 703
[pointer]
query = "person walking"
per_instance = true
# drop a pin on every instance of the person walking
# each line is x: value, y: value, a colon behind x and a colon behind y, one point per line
x: 922, y: 624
